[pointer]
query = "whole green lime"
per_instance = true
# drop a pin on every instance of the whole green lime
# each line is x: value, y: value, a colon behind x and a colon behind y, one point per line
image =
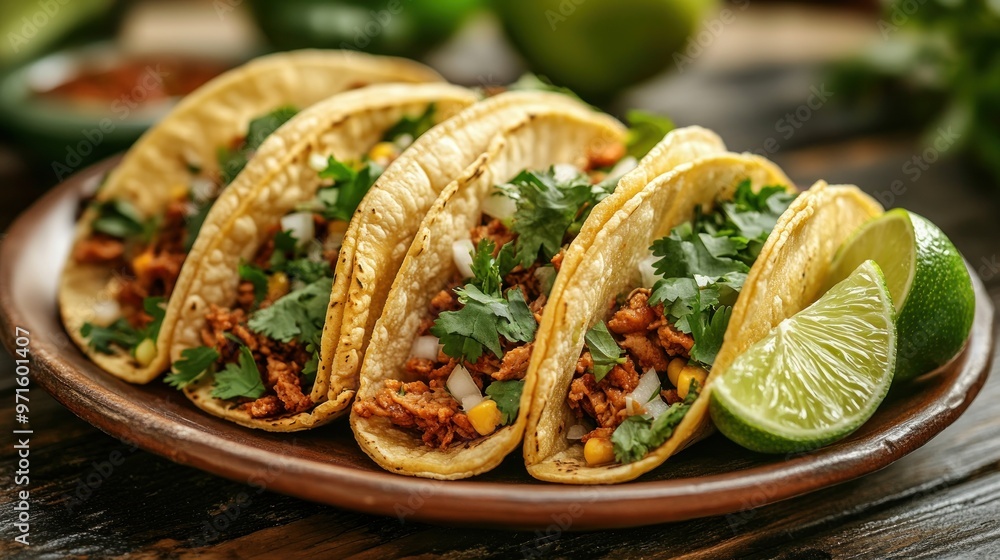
x: 598, y: 47
x: 929, y: 283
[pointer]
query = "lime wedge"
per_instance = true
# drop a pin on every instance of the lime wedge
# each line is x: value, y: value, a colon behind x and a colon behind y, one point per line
x: 929, y: 283
x: 817, y: 376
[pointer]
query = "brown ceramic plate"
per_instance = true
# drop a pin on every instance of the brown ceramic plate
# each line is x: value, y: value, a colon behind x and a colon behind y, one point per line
x: 714, y: 477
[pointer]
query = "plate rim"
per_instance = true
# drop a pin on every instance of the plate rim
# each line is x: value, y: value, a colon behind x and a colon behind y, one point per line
x: 538, y: 505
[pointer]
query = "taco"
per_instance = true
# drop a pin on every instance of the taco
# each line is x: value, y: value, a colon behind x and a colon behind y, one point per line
x: 446, y: 370
x: 132, y: 240
x: 687, y: 274
x: 255, y: 314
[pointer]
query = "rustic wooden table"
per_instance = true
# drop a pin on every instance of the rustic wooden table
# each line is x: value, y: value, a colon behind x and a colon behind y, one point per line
x: 95, y: 496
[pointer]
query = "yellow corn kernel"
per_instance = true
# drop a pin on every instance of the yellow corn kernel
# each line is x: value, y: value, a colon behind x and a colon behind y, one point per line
x: 598, y: 451
x: 141, y: 263
x: 674, y: 369
x: 383, y: 152
x: 145, y: 352
x: 485, y: 417
x: 179, y: 192
x: 688, y: 374
x: 277, y: 286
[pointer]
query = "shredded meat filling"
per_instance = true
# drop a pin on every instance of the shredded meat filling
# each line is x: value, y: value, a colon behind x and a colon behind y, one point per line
x: 428, y: 408
x: 649, y: 341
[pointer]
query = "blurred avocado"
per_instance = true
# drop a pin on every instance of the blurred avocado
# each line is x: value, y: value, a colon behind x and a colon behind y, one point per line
x: 34, y: 27
x: 392, y: 27
x: 599, y: 47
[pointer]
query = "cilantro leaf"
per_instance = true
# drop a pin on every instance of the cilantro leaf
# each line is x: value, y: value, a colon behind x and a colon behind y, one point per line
x: 263, y: 126
x: 412, y: 126
x: 309, y: 371
x: 603, y: 349
x: 296, y: 316
x: 120, y: 219
x: 192, y: 364
x: 350, y: 186
x: 307, y: 270
x: 239, y: 380
x: 547, y: 209
x: 481, y: 321
x: 645, y: 131
x: 256, y: 276
x: 708, y: 330
x: 233, y: 160
x: 703, y: 263
x: 507, y: 395
x: 119, y: 333
x: 638, y: 434
x: 487, y: 271
x: 155, y: 308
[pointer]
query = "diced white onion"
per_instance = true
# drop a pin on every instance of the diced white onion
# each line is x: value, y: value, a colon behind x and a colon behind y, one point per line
x: 426, y: 347
x: 318, y: 162
x: 648, y: 387
x: 564, y: 172
x: 461, y: 386
x: 631, y: 407
x: 403, y: 140
x: 649, y: 276
x: 301, y: 225
x: 656, y: 407
x: 468, y: 403
x: 702, y: 281
x: 106, y: 311
x: 202, y: 189
x: 623, y: 166
x: 461, y: 251
x: 576, y: 431
x: 499, y: 206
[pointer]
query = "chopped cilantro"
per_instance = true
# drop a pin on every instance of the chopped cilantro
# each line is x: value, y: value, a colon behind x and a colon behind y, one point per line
x: 309, y: 370
x: 703, y: 263
x: 488, y: 271
x: 307, y: 270
x: 192, y: 364
x: 412, y: 126
x: 256, y: 276
x: 233, y: 160
x: 645, y: 131
x: 638, y: 434
x: 481, y: 321
x: 239, y: 380
x: 548, y: 208
x: 297, y: 316
x: 262, y: 127
x: 507, y: 395
x: 118, y: 218
x: 349, y: 187
x: 603, y: 349
x: 121, y: 333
